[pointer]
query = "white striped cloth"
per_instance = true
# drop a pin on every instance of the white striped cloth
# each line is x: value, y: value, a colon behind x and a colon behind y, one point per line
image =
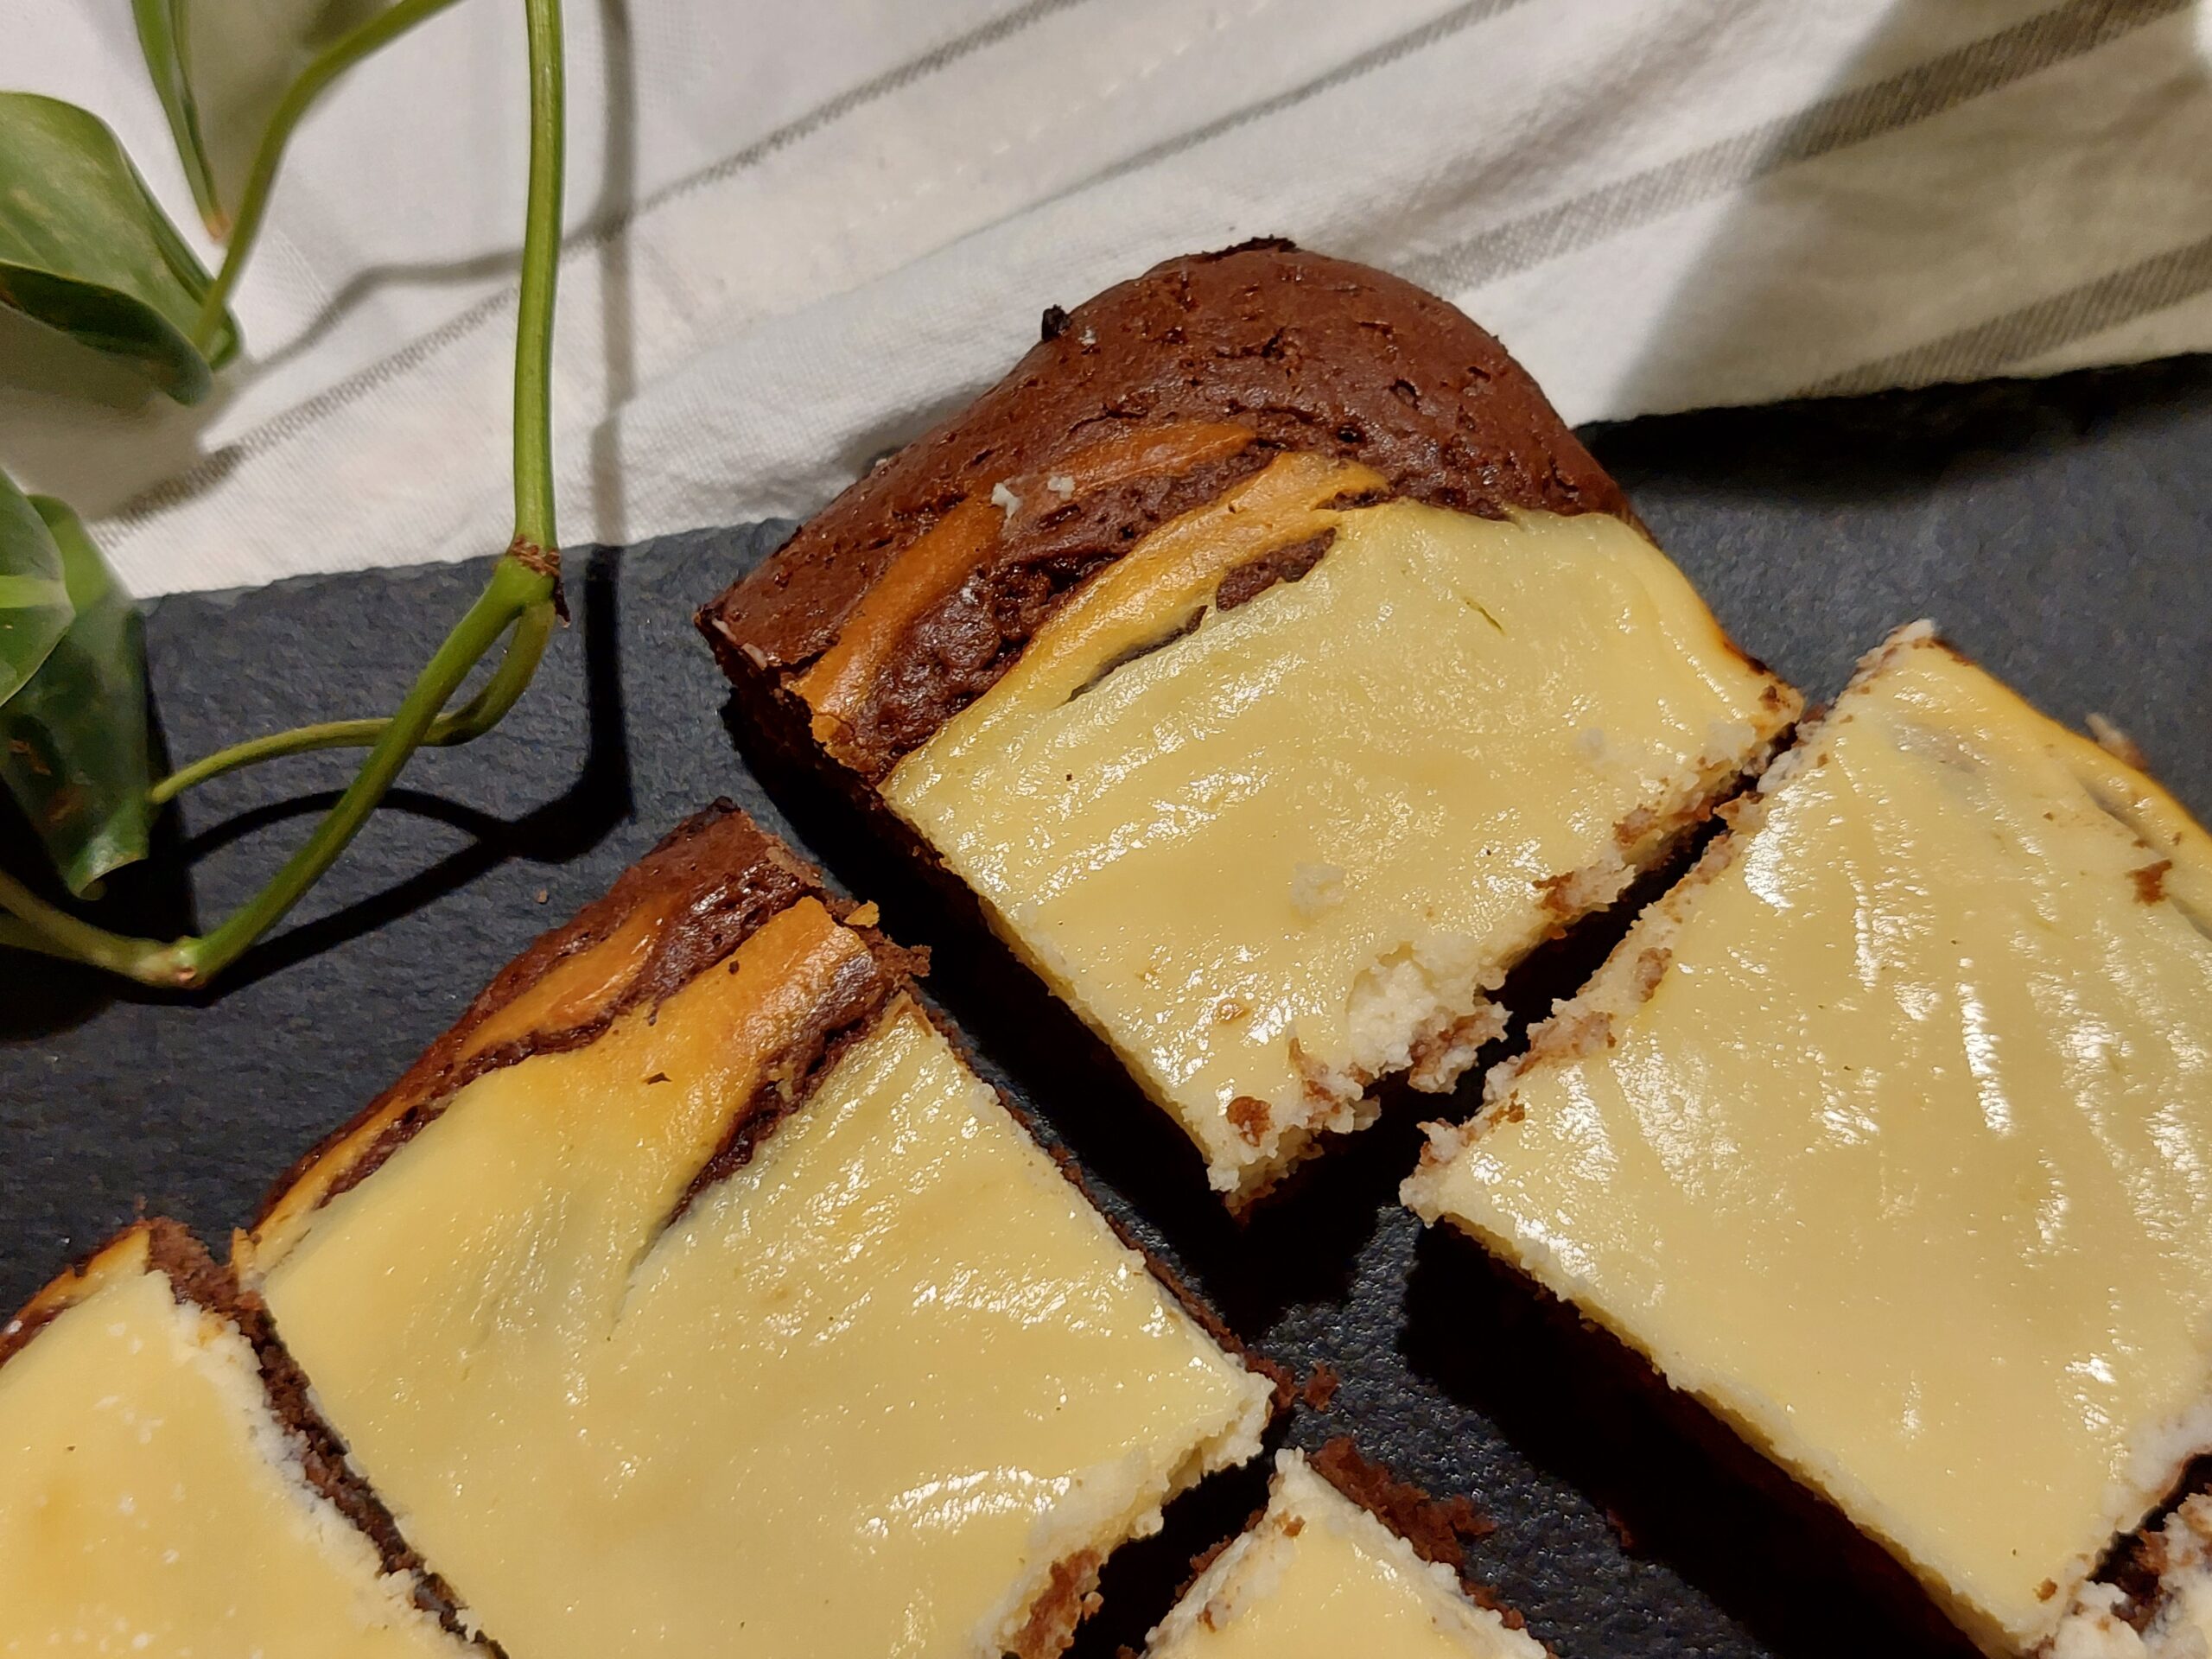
x: 800, y: 232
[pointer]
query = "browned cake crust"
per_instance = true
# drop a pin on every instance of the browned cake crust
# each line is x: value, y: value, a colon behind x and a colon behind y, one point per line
x: 1440, y: 1529
x: 1145, y: 402
x: 197, y: 1279
x: 687, y: 906
x: 1069, y: 1598
x: 705, y: 889
x: 709, y: 884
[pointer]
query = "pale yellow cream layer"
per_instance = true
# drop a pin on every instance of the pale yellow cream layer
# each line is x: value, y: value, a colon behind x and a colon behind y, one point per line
x: 1320, y: 1577
x: 857, y: 1399
x: 150, y: 1506
x: 1294, y: 850
x: 1905, y: 1165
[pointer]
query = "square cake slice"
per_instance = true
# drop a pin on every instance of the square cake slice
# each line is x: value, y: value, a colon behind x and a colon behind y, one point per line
x: 165, y: 1488
x: 1343, y: 1560
x: 1276, y: 670
x: 1887, y: 1135
x: 693, y: 1296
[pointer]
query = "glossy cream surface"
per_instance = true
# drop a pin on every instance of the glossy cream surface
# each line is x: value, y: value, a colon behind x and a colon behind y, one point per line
x: 1320, y: 1577
x: 150, y: 1505
x: 856, y: 1400
x: 1268, y: 859
x: 1906, y: 1163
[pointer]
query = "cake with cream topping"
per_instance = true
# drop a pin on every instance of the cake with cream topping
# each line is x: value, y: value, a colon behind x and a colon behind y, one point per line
x: 1276, y: 670
x: 168, y: 1489
x: 693, y: 1295
x: 1886, y: 1133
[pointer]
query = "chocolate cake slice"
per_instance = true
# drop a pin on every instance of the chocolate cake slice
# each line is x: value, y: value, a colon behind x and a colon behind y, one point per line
x: 693, y: 1296
x: 1343, y: 1560
x: 1276, y: 670
x: 1888, y: 1134
x: 168, y: 1489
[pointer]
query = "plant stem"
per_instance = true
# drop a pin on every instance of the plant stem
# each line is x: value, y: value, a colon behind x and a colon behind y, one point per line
x: 463, y: 725
x: 537, y: 541
x: 522, y: 594
x: 512, y: 589
x: 327, y: 64
x: 515, y: 593
x: 541, y: 269
x: 30, y: 923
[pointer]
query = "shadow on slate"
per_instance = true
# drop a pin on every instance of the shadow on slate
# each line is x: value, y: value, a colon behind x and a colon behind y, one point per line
x: 2060, y: 531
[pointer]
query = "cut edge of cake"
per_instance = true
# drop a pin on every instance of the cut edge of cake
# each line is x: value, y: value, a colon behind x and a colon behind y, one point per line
x: 2100, y: 1618
x: 1582, y: 1025
x: 1172, y: 368
x: 309, y: 1458
x: 688, y: 904
x: 2164, y: 1610
x: 1423, y: 1539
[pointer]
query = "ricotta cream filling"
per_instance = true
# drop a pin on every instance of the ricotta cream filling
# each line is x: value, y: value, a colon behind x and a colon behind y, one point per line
x: 860, y: 1398
x: 1890, y: 1135
x: 1317, y: 1577
x: 1296, y: 850
x: 154, y: 1506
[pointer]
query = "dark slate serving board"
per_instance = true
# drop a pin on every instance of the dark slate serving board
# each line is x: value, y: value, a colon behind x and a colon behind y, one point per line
x: 2060, y: 531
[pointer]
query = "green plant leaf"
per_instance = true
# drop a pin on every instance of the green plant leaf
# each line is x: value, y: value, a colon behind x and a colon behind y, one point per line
x: 74, y: 745
x: 162, y: 31
x: 86, y: 248
x: 221, y: 70
x: 34, y: 609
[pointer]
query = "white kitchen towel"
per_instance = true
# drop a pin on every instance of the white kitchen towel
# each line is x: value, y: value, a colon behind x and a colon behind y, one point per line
x: 800, y: 232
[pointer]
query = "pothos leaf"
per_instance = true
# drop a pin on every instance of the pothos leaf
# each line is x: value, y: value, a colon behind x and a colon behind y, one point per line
x: 161, y: 37
x: 34, y: 607
x: 222, y: 69
x: 73, y: 745
x: 86, y: 248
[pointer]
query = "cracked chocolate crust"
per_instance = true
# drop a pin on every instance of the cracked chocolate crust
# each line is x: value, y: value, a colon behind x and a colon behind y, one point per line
x: 707, y: 887
x: 197, y: 1279
x: 1302, y: 351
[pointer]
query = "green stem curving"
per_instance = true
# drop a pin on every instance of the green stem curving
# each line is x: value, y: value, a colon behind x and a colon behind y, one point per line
x: 522, y: 594
x: 463, y: 725
x: 28, y: 922
x: 512, y: 590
